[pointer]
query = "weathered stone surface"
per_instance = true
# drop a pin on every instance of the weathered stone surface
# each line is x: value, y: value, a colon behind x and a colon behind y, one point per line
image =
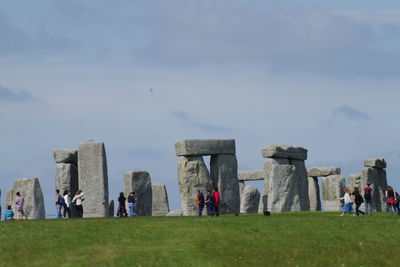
x: 323, y: 171
x: 263, y: 206
x: 375, y: 162
x: 268, y: 165
x: 250, y: 200
x: 332, y: 190
x: 175, y: 213
x: 67, y: 177
x: 302, y: 184
x: 111, y: 208
x: 193, y: 175
x: 140, y: 183
x: 93, y: 178
x: 223, y: 168
x: 9, y: 197
x: 241, y: 187
x: 354, y: 181
x: 66, y: 156
x: 314, y: 194
x: 251, y: 175
x: 286, y: 152
x: 160, y: 200
x: 33, y: 198
x: 200, y: 147
x: 377, y: 178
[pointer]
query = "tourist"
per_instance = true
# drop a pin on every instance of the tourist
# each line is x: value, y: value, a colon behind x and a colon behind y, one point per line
x: 77, y: 201
x: 348, y: 203
x: 19, y: 206
x: 358, y: 199
x: 67, y: 204
x: 368, y: 197
x: 200, y: 202
x: 9, y: 214
x: 390, y: 199
x: 131, y: 204
x: 121, y: 205
x: 397, y: 204
x: 216, y: 201
x: 59, y: 204
x: 210, y: 202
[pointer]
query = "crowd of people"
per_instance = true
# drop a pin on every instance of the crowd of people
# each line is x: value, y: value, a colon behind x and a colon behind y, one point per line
x: 392, y: 199
x: 211, y: 202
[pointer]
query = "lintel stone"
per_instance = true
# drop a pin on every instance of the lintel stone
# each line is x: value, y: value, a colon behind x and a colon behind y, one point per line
x: 66, y: 156
x: 251, y: 175
x: 375, y: 162
x: 201, y: 147
x: 286, y: 152
x: 323, y: 171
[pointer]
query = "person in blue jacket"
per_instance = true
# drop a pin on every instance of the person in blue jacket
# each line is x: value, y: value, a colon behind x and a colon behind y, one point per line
x: 9, y: 214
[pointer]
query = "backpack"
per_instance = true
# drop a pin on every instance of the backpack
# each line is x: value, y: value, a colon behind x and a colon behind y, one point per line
x: 367, y: 193
x: 60, y: 200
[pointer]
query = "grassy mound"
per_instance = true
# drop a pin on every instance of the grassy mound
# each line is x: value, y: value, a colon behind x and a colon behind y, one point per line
x: 304, y: 239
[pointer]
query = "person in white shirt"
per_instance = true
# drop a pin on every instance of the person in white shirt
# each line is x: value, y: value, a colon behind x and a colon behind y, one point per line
x: 348, y: 202
x: 67, y: 204
x: 77, y: 201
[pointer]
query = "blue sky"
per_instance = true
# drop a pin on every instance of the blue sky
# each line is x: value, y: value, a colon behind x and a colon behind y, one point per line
x: 139, y: 75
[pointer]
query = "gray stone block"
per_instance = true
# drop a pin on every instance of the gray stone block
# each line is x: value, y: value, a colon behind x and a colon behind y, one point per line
x: 193, y: 175
x: 160, y: 200
x: 323, y: 171
x: 201, y: 147
x: 302, y: 184
x: 332, y: 191
x: 67, y: 177
x: 31, y: 191
x: 268, y: 165
x: 314, y: 194
x: 286, y: 152
x: 375, y: 162
x: 251, y: 175
x: 377, y: 178
x: 9, y: 198
x: 241, y: 188
x: 175, y: 213
x: 66, y: 156
x: 354, y: 181
x: 140, y: 183
x: 93, y: 179
x: 223, y: 168
x: 250, y: 200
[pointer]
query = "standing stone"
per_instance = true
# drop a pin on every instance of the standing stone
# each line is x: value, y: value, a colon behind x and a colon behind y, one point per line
x: 223, y: 168
x: 355, y: 181
x: 67, y: 177
x: 140, y: 183
x: 377, y: 178
x: 314, y: 194
x: 268, y: 165
x: 9, y: 198
x: 332, y: 191
x: 241, y: 188
x: 93, y: 179
x: 33, y: 198
x: 193, y: 175
x: 160, y: 200
x: 302, y: 183
x: 250, y: 200
x: 111, y: 208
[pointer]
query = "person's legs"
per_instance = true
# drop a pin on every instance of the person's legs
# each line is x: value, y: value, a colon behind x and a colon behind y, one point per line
x: 68, y: 211
x: 130, y: 205
x: 58, y: 209
x: 217, y: 210
x: 201, y: 207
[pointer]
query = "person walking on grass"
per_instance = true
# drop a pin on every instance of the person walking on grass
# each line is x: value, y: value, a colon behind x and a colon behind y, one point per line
x: 210, y: 202
x: 67, y: 204
x: 390, y: 199
x: 200, y: 201
x: 132, y: 204
x: 368, y: 198
x: 19, y: 206
x: 397, y: 205
x: 59, y: 204
x: 77, y: 201
x: 348, y: 203
x: 358, y: 199
x: 217, y: 200
x: 121, y: 205
x: 9, y: 214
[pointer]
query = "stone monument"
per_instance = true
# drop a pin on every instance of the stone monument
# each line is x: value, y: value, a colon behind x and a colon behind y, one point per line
x: 332, y: 190
x: 140, y: 183
x: 250, y: 200
x: 160, y: 206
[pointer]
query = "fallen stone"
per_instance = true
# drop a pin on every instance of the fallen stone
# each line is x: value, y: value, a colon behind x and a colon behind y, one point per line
x: 66, y: 156
x: 160, y: 200
x: 111, y: 208
x: 332, y: 191
x: 93, y: 179
x: 251, y: 175
x: 250, y: 200
x: 375, y: 162
x: 200, y: 147
x: 140, y: 183
x: 175, y: 213
x: 314, y: 194
x: 323, y: 171
x: 223, y: 168
x: 286, y: 152
x: 193, y: 175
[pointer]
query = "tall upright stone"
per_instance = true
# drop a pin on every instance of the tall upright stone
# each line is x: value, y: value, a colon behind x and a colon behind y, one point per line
x: 314, y: 194
x: 332, y: 191
x: 354, y: 181
x: 140, y: 183
x: 223, y: 168
x: 93, y: 178
x: 193, y: 175
x: 374, y: 172
x: 67, y: 177
x: 160, y: 200
x: 31, y: 191
x: 250, y: 200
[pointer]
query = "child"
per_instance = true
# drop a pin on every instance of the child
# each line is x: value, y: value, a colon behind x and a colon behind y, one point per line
x: 348, y: 203
x: 9, y: 215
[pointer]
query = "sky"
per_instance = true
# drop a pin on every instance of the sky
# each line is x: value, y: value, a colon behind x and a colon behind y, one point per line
x: 140, y: 75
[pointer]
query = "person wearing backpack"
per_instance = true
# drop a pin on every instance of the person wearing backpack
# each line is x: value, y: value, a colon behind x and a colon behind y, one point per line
x: 390, y: 199
x: 121, y: 205
x: 59, y: 204
x: 210, y: 202
x: 368, y: 198
x: 358, y: 199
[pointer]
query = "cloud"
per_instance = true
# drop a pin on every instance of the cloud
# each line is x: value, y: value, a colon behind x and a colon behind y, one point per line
x: 350, y: 113
x: 191, y: 121
x: 14, y: 96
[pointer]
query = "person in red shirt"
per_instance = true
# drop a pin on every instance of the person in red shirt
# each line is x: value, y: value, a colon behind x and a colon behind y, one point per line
x: 216, y: 201
x: 368, y: 198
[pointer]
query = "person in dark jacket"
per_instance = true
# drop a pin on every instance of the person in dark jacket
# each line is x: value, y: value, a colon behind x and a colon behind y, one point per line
x: 210, y: 203
x: 358, y: 199
x: 390, y: 195
x: 368, y: 198
x: 200, y: 201
x: 121, y: 205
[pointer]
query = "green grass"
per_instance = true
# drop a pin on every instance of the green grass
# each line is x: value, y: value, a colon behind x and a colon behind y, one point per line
x: 290, y: 239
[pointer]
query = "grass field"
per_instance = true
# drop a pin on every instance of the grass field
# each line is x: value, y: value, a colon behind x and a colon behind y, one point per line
x: 304, y: 239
